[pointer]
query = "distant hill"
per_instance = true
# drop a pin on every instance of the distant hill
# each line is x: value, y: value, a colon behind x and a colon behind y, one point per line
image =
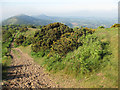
x: 90, y: 22
x: 25, y: 19
x: 30, y: 20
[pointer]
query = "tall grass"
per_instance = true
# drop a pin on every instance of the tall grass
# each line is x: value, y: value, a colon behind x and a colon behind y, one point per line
x: 107, y: 77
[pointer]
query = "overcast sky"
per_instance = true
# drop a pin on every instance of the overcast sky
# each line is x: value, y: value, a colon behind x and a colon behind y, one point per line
x: 98, y: 8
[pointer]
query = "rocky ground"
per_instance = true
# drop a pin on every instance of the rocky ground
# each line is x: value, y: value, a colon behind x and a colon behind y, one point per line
x: 25, y: 73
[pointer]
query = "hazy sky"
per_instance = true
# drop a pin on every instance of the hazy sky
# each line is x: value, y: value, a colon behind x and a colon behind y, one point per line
x: 98, y: 8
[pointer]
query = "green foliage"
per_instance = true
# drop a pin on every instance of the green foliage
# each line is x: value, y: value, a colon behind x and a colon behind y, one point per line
x: 89, y: 57
x: 27, y: 41
x: 63, y: 36
x: 69, y: 41
x: 8, y: 32
x: 54, y: 63
x: 19, y: 40
x: 43, y: 39
x: 6, y: 35
x: 23, y: 29
x: 101, y: 27
x: 59, y: 40
x: 15, y: 45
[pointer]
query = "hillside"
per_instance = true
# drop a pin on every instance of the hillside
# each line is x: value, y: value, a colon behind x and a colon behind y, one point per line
x: 107, y: 77
x: 71, y: 57
x: 25, y: 19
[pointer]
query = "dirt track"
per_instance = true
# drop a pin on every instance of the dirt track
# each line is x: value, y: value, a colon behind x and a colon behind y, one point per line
x: 25, y: 73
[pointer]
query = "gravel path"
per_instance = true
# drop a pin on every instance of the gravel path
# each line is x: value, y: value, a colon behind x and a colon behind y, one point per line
x: 25, y: 73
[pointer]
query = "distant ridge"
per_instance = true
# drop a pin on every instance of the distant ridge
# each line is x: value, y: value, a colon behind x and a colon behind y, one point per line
x: 25, y: 19
x: 90, y: 22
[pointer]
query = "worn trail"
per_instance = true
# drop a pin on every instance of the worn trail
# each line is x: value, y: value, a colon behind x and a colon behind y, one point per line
x: 25, y: 73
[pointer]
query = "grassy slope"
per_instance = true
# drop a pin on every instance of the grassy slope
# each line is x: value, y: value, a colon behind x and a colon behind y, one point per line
x: 107, y: 77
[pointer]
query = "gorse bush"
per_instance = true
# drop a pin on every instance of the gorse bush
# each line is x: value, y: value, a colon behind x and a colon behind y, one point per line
x: 23, y: 40
x: 43, y: 39
x: 60, y: 41
x: 115, y: 25
x: 58, y: 37
x: 19, y: 40
x: 27, y: 41
x: 101, y: 27
x: 69, y: 42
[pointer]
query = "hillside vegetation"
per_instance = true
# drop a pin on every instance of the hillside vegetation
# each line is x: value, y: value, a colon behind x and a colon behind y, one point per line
x: 78, y: 52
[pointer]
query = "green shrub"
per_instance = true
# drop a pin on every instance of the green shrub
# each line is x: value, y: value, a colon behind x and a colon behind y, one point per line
x: 44, y: 38
x: 19, y: 40
x: 27, y: 41
x: 6, y: 35
x: 101, y: 27
x: 69, y: 41
x: 89, y: 57
x: 7, y: 38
